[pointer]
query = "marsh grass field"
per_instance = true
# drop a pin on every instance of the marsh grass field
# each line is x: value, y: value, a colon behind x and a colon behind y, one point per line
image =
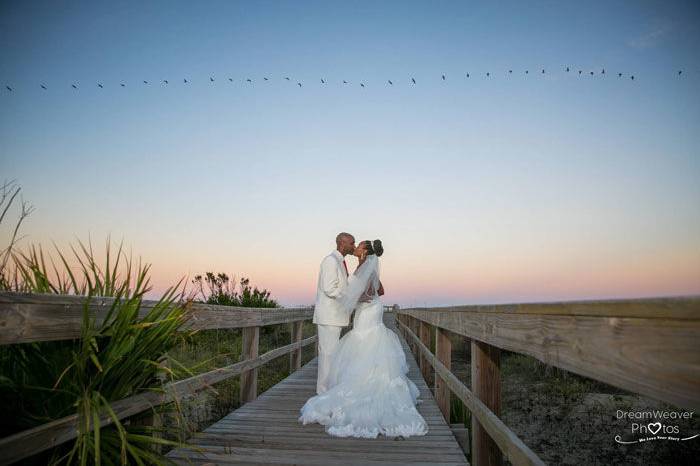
x: 211, y: 349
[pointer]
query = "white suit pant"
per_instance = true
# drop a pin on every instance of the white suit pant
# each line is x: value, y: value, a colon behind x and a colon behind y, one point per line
x: 328, y: 338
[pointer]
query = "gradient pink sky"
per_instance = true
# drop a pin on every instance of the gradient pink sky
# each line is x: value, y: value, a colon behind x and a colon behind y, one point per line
x: 508, y: 188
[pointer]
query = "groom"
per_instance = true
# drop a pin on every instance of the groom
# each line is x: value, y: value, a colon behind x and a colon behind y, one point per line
x: 329, y: 316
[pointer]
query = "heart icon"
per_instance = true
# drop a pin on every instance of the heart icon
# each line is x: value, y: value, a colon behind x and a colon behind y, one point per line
x: 654, y: 428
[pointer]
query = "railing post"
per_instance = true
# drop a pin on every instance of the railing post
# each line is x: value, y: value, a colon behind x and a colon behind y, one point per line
x: 404, y: 319
x: 249, y: 378
x: 295, y: 356
x: 407, y: 323
x: 443, y: 352
x: 486, y: 386
x: 424, y: 330
x: 414, y: 330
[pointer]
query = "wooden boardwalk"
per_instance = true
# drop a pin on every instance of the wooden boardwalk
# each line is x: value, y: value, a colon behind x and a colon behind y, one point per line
x: 647, y: 346
x: 266, y: 431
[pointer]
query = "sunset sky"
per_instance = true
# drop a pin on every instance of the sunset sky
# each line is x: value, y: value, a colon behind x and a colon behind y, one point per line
x: 508, y: 188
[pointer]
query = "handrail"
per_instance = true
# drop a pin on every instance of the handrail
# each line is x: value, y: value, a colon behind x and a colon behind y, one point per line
x: 511, y: 445
x: 49, y: 317
x: 647, y: 346
x: 665, y: 307
x: 628, y: 347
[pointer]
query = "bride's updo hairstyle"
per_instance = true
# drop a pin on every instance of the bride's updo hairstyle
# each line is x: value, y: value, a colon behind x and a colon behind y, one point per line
x: 374, y: 247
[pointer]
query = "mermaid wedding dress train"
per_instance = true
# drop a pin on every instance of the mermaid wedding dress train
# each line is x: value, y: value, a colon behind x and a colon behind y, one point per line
x: 369, y: 392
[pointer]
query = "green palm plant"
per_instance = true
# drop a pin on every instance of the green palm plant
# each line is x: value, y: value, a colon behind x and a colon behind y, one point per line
x: 120, y: 356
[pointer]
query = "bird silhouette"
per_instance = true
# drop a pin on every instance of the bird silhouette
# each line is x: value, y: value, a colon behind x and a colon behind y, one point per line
x: 299, y: 84
x: 591, y: 73
x: 185, y: 81
x: 467, y: 75
x: 362, y: 84
x: 679, y: 72
x: 8, y: 88
x: 390, y: 82
x: 413, y: 80
x: 488, y: 74
x: 542, y: 70
x: 43, y: 87
x: 165, y: 81
x: 322, y: 81
x: 286, y: 78
x: 602, y: 71
x: 124, y: 85
x: 443, y: 77
x: 632, y: 77
x: 100, y: 86
x: 265, y: 79
x: 526, y: 71
x: 567, y: 69
x: 579, y: 71
x: 619, y: 75
x: 344, y: 81
x: 249, y: 80
x: 230, y: 79
x: 74, y: 86
x: 510, y: 71
x: 211, y: 79
x: 145, y: 82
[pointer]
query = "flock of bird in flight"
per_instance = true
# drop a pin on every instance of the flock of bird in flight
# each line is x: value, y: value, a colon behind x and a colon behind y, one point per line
x: 324, y: 81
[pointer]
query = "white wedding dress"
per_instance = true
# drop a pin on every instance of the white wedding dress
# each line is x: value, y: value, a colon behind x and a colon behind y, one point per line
x: 369, y: 392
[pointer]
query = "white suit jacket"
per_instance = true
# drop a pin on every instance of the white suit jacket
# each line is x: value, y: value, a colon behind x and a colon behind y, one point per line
x: 332, y: 280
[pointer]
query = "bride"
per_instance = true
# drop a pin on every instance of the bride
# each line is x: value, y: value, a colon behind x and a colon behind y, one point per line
x: 369, y: 392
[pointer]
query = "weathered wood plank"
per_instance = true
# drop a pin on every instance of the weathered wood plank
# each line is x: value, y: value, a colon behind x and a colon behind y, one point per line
x: 295, y: 356
x: 656, y: 357
x: 243, y: 440
x: 486, y: 386
x: 424, y: 329
x: 300, y: 455
x: 443, y: 350
x: 461, y: 433
x: 267, y: 457
x: 249, y: 377
x: 676, y: 307
x: 28, y: 317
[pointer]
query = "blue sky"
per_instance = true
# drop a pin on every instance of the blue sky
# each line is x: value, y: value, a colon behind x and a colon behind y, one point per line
x: 508, y: 188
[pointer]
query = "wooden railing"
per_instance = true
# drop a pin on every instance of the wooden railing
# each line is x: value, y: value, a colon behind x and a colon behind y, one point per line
x: 44, y: 317
x: 646, y: 346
